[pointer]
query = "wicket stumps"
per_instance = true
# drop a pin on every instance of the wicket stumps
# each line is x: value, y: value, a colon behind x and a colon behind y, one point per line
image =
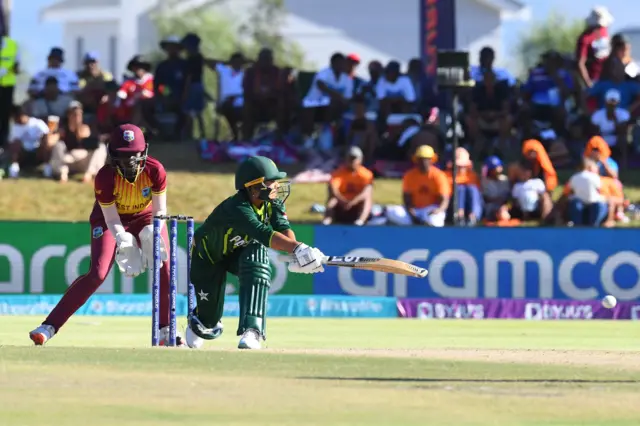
x: 173, y: 274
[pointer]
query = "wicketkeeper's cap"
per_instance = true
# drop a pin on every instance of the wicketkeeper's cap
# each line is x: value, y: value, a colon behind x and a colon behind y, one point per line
x: 127, y: 139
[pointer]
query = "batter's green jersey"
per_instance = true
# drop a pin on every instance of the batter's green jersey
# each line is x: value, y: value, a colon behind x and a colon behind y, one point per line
x: 235, y: 223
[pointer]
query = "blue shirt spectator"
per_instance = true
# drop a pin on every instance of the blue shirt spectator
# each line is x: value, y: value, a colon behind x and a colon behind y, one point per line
x: 170, y: 74
x: 629, y: 91
x: 542, y: 87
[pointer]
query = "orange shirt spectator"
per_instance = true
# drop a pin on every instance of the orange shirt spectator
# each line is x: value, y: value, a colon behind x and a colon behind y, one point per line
x: 425, y: 193
x: 426, y: 188
x: 349, y: 182
x: 542, y: 167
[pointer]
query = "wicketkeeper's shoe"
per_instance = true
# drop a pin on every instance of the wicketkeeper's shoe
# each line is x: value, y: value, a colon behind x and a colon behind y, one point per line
x: 40, y: 335
x: 164, y: 337
x: 250, y: 340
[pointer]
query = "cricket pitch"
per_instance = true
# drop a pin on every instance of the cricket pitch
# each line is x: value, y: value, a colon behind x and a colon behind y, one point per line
x: 102, y: 371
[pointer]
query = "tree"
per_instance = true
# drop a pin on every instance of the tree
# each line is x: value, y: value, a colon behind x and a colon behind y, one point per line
x: 557, y: 33
x: 221, y: 35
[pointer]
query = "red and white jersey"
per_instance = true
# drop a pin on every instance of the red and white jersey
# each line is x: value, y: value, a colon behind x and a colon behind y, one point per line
x: 132, y: 90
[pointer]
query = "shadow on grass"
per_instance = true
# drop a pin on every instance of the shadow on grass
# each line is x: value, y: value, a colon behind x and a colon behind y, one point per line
x: 462, y: 380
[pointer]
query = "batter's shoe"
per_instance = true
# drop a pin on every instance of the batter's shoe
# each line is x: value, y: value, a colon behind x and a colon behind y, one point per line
x: 250, y: 340
x: 164, y: 337
x: 195, y: 339
x: 42, y: 334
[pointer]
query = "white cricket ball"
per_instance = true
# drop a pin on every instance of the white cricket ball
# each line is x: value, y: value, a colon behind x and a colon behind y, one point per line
x: 609, y: 301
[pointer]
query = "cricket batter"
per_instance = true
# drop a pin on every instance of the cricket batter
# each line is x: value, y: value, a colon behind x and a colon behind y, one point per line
x: 235, y: 238
x: 130, y: 189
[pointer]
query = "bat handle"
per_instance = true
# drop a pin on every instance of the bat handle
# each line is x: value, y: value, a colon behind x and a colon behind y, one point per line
x: 287, y: 258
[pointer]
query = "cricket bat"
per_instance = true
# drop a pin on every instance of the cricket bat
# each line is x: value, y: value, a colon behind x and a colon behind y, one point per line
x: 379, y: 264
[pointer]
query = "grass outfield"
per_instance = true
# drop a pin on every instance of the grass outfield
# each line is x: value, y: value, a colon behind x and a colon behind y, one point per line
x: 195, y: 188
x: 326, y: 372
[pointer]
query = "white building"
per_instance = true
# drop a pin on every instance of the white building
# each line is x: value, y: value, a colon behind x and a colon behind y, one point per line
x: 375, y: 29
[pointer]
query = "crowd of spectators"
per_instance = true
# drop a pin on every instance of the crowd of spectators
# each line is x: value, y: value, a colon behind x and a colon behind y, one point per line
x: 571, y: 111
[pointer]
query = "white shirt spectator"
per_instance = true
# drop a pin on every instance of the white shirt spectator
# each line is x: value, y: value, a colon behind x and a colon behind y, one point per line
x: 29, y: 134
x: 315, y: 97
x: 230, y: 84
x: 67, y: 80
x: 402, y: 86
x: 528, y: 194
x: 586, y: 186
x: 607, y: 127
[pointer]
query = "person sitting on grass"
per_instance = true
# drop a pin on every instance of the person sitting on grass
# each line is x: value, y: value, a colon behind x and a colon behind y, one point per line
x: 28, y: 143
x: 467, y: 185
x: 531, y: 200
x: 537, y: 159
x: 598, y: 150
x: 425, y: 191
x: 611, y: 190
x: 350, y: 192
x: 587, y: 206
x: 496, y: 188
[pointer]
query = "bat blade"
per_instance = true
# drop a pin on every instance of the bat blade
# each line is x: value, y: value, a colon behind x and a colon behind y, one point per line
x: 379, y: 264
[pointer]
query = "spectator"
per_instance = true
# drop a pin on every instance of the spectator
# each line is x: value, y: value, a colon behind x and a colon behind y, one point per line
x: 168, y: 83
x: 546, y: 91
x: 593, y: 45
x: 540, y: 165
x: 137, y: 94
x: 486, y: 60
x: 598, y: 150
x: 108, y: 114
x: 426, y: 193
x: 92, y: 81
x: 489, y: 112
x: 612, y: 123
x: 368, y: 89
x: 350, y: 192
x: 467, y: 186
x: 352, y: 62
x: 529, y: 194
x: 52, y: 103
x: 586, y: 205
x: 614, y: 77
x: 267, y: 95
x: 75, y: 150
x: 611, y: 190
x: 67, y: 79
x: 495, y: 187
x: 621, y: 50
x: 230, y: 98
x: 328, y: 96
x: 362, y: 131
x: 193, y: 94
x: 9, y: 70
x: 28, y: 143
x: 395, y: 92
x: 411, y: 135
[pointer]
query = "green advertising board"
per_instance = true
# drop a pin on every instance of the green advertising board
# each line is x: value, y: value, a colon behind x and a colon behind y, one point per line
x: 46, y: 257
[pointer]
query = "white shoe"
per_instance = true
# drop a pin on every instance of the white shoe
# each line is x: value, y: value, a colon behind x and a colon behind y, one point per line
x: 193, y: 340
x: 164, y: 337
x: 250, y: 340
x: 40, y: 335
x: 14, y: 170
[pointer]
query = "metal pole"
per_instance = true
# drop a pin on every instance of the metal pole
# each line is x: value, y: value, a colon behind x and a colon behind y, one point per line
x: 454, y: 191
x: 5, y: 17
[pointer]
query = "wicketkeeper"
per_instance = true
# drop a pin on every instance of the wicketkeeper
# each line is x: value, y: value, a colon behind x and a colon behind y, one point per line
x: 235, y: 238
